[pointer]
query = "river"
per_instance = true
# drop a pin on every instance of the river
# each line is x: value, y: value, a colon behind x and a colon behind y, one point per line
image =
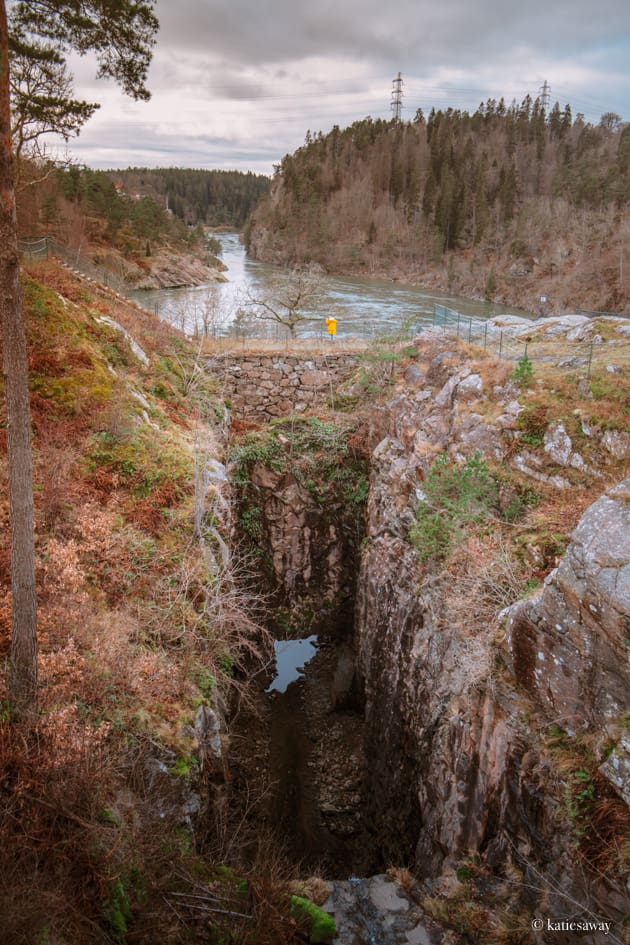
x: 362, y: 306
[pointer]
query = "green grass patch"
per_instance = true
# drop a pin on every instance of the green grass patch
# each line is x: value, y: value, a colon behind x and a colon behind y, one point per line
x: 117, y: 906
x: 142, y: 460
x: 313, y: 450
x: 68, y: 363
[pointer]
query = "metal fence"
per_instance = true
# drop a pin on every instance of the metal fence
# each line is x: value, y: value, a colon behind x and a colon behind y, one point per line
x: 36, y: 248
x: 46, y: 246
x: 580, y: 357
x: 577, y: 357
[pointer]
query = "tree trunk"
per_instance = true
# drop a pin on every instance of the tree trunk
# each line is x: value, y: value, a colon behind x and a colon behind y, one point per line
x: 23, y: 656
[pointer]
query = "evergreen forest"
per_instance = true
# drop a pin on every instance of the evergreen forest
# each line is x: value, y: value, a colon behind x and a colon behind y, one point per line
x: 215, y: 198
x: 475, y: 203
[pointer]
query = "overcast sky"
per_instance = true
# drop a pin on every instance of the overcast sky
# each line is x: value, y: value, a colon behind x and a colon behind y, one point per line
x: 237, y: 83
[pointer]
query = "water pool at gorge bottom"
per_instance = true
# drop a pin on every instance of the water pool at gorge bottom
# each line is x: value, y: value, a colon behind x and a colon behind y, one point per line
x: 298, y: 758
x: 291, y: 658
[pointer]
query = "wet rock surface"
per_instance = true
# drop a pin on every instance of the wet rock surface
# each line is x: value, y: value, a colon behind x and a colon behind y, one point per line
x: 377, y: 911
x: 305, y: 754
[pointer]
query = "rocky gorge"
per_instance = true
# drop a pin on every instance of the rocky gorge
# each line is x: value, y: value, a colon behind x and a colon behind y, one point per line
x: 466, y: 716
x: 338, y: 636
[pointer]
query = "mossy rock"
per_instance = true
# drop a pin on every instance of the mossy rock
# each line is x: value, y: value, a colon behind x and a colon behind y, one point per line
x: 319, y: 924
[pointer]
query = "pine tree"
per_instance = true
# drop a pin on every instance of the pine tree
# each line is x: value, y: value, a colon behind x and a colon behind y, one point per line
x: 121, y: 34
x: 41, y: 95
x: 555, y: 121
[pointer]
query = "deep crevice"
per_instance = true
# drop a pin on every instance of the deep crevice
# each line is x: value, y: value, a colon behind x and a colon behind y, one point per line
x: 302, y: 752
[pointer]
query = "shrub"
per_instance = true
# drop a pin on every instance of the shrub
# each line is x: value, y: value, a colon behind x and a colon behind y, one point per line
x: 455, y: 495
x: 117, y: 911
x: 523, y: 373
x: 533, y: 422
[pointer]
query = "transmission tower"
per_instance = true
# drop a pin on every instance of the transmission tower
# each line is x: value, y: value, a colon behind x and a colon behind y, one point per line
x: 545, y: 94
x: 397, y: 96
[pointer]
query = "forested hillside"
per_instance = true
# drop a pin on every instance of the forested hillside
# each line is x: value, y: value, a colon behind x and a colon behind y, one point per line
x: 81, y: 204
x: 509, y: 202
x: 133, y: 239
x: 217, y: 198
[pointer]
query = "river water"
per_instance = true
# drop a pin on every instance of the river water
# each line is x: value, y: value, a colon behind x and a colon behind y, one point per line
x: 363, y: 307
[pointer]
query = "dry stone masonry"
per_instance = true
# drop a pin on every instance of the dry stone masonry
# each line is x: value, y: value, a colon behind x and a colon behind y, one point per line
x: 264, y: 386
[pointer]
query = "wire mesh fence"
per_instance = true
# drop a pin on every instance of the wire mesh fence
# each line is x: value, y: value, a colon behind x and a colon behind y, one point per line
x: 544, y: 344
x: 35, y: 248
x: 46, y: 246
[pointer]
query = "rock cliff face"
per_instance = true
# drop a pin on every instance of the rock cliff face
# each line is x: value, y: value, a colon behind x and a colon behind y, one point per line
x: 493, y: 725
x: 568, y: 646
x: 457, y: 709
x: 300, y: 490
x: 308, y: 558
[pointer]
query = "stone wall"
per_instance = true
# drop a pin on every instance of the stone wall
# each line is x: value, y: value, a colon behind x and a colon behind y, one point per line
x: 264, y: 386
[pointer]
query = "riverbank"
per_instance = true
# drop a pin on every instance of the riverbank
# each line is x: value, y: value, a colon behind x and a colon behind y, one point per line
x: 364, y: 307
x: 168, y: 267
x: 565, y: 281
x: 506, y: 221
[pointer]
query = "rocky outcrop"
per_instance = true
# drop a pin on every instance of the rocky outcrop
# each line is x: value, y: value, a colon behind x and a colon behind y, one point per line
x: 454, y: 718
x: 173, y: 270
x: 379, y: 910
x: 165, y: 268
x: 568, y: 646
x: 575, y: 328
x: 135, y: 347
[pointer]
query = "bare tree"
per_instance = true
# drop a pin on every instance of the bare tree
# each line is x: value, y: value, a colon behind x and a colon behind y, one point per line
x: 611, y: 121
x: 200, y: 314
x: 289, y: 300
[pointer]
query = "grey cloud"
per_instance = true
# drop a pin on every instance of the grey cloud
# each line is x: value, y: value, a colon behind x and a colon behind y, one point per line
x: 115, y: 145
x: 216, y: 156
x: 269, y: 72
x: 202, y: 74
x: 281, y: 31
